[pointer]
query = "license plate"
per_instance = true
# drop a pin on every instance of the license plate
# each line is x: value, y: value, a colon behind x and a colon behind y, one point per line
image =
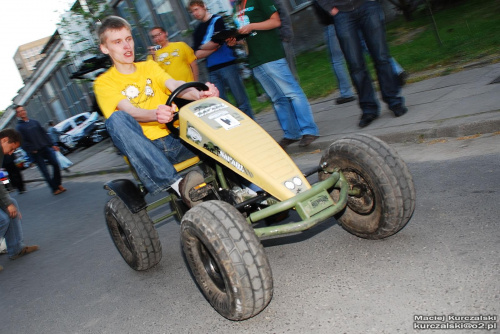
x: 315, y: 204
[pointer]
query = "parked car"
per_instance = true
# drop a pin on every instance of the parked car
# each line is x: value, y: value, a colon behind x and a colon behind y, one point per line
x: 4, y: 178
x: 82, y: 130
x: 22, y: 159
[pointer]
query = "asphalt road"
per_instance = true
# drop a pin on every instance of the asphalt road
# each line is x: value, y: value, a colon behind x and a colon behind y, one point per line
x: 444, y: 262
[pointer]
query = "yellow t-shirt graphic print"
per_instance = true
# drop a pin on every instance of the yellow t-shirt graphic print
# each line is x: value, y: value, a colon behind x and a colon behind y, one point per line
x: 145, y: 88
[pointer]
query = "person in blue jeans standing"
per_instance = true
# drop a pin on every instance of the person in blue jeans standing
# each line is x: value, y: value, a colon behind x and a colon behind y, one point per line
x: 335, y: 54
x: 367, y: 16
x: 259, y: 20
x: 221, y: 62
x: 38, y: 144
x: 10, y: 216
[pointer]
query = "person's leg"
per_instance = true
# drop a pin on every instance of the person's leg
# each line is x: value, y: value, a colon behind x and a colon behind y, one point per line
x: 281, y: 104
x: 49, y: 154
x: 372, y: 25
x: 42, y: 167
x: 279, y: 73
x: 174, y: 149
x: 338, y: 62
x: 346, y: 25
x: 152, y: 166
x: 217, y: 79
x: 232, y: 78
x: 290, y: 58
x: 12, y: 231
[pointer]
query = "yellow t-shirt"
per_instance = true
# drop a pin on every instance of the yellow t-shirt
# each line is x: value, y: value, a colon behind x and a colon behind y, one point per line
x: 145, y: 88
x: 176, y: 59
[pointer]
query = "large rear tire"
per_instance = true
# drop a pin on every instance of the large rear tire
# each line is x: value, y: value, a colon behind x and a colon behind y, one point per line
x: 387, y: 198
x: 134, y: 235
x: 227, y: 260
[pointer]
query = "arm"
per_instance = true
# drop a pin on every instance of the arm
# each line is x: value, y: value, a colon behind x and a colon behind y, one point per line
x: 329, y: 6
x: 194, y: 69
x: 164, y: 113
x: 271, y: 23
x: 200, y: 54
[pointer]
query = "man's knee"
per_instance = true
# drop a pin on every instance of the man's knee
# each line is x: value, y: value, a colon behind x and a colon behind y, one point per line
x: 120, y: 120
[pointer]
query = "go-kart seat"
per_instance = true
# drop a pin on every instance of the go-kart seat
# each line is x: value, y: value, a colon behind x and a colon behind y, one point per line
x: 178, y: 167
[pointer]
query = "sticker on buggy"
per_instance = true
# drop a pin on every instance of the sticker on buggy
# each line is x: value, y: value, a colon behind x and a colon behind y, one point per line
x: 199, y: 139
x: 227, y: 121
x: 217, y: 115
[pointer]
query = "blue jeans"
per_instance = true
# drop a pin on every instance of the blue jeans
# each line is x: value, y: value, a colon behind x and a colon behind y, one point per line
x: 338, y: 62
x: 11, y: 230
x: 289, y: 101
x: 396, y: 68
x: 229, y: 76
x: 369, y: 18
x: 152, y: 160
x: 47, y: 153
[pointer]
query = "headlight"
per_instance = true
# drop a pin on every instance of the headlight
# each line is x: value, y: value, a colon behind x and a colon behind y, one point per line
x: 289, y: 185
x: 297, y: 181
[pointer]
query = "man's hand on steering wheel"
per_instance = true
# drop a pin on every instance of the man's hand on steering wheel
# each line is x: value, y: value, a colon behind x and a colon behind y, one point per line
x: 211, y: 92
x: 165, y: 114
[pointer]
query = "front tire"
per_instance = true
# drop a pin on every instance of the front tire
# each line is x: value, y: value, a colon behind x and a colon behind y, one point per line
x: 227, y: 260
x: 134, y: 235
x: 387, y: 198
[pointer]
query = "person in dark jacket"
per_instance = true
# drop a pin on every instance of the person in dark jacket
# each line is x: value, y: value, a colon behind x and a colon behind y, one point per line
x: 10, y: 216
x: 38, y: 144
x: 367, y: 16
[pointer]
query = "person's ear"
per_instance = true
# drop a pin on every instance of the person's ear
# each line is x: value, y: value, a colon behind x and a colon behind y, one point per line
x: 104, y: 49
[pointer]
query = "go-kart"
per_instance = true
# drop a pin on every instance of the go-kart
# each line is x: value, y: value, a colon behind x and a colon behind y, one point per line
x: 363, y: 183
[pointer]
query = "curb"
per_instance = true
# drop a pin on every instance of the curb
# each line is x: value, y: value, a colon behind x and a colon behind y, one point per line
x: 409, y: 136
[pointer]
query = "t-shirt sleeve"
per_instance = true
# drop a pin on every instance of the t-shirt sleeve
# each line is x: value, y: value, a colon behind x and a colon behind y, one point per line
x: 219, y: 25
x: 267, y: 7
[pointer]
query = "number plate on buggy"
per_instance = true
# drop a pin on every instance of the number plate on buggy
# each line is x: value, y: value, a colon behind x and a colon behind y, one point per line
x: 313, y: 205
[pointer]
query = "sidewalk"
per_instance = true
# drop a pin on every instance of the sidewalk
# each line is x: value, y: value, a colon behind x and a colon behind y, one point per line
x: 459, y: 104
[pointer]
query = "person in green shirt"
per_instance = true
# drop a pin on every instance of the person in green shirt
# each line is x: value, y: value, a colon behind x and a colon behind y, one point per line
x: 259, y: 20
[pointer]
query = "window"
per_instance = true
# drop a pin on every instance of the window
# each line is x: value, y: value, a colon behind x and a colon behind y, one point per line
x: 125, y: 11
x: 166, y: 15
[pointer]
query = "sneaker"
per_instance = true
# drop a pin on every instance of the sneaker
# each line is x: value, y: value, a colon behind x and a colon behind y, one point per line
x: 1, y: 268
x: 402, y: 77
x: 399, y: 110
x: 285, y: 142
x: 191, y: 180
x: 366, y: 119
x: 307, y: 140
x: 24, y: 251
x: 342, y: 100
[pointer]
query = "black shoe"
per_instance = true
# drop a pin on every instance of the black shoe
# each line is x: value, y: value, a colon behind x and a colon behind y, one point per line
x: 191, y: 180
x: 342, y: 100
x: 402, y: 77
x: 286, y: 141
x: 366, y: 119
x: 307, y: 140
x: 399, y: 110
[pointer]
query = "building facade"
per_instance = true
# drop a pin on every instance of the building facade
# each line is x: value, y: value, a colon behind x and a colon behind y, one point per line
x: 27, y: 55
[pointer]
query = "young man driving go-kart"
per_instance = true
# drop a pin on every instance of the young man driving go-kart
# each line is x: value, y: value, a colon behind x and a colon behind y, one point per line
x: 362, y: 181
x: 132, y: 97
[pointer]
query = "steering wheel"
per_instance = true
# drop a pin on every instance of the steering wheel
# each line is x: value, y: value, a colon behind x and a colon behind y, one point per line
x: 193, y: 84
